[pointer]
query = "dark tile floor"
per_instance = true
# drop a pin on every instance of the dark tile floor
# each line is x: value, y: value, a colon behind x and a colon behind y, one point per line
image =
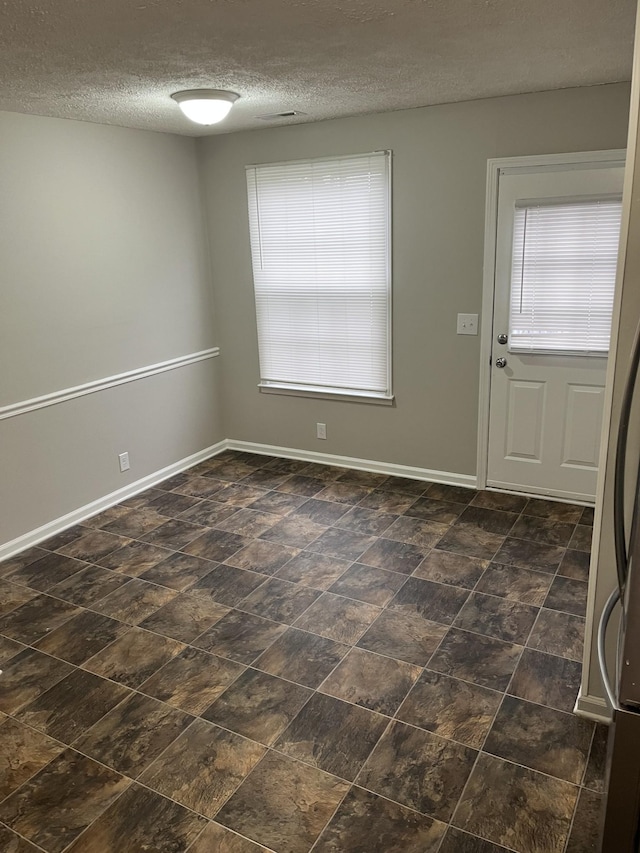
x: 269, y: 655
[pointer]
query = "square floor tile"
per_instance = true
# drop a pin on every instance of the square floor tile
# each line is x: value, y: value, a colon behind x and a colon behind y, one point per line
x: 541, y: 738
x: 393, y: 502
x: 89, y: 586
x: 366, y: 521
x: 567, y: 595
x: 558, y: 634
x: 500, y: 500
x: 37, y: 617
x: 372, y: 681
x: 516, y: 807
x: 366, y: 583
x: 258, y: 706
x: 82, y: 637
x: 451, y: 708
x: 302, y: 485
x: 472, y: 657
x: 26, y: 675
x: 295, y: 531
x: 472, y: 541
x: 414, y: 531
x: 60, y: 801
x: 208, y: 513
x: 419, y: 770
x: 23, y: 752
x: 515, y: 584
x: 174, y: 534
x: 575, y: 564
x: 240, y: 494
x: 314, y: 570
x: 133, y: 734
x: 136, y: 522
x: 12, y: 843
x: 186, y: 616
x: 301, y: 657
x: 216, y: 545
x: 46, y: 572
x: 141, y: 820
x: 24, y: 558
x: 203, y: 767
x: 406, y: 486
x: 393, y: 556
x: 529, y: 555
x: 345, y: 493
x: 553, y: 510
x: 437, y: 602
x: 594, y: 775
x: 93, y: 545
x: 279, y: 600
x: 369, y: 823
x: 547, y: 680
x: 491, y: 520
x: 497, y: 617
x: 12, y: 596
x: 321, y: 512
x: 8, y: 649
x: 453, y: 569
x: 430, y: 509
x: 135, y: 558
x: 178, y: 571
x: 340, y: 619
x: 228, y: 585
x: 221, y: 840
x: 447, y: 492
x: 239, y: 636
x: 581, y: 539
x: 585, y: 833
x: 192, y: 680
x: 133, y: 657
x: 403, y: 635
x: 261, y: 556
x: 280, y: 503
x: 543, y: 530
x: 332, y: 735
x: 344, y: 544
x: 283, y: 804
x: 171, y: 504
x: 248, y: 522
x: 72, y: 705
x: 134, y: 601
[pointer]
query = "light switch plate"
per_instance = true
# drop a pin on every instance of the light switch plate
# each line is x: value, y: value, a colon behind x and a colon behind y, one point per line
x: 467, y: 324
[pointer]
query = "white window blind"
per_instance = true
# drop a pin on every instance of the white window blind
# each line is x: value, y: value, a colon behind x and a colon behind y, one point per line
x: 563, y: 276
x: 320, y: 244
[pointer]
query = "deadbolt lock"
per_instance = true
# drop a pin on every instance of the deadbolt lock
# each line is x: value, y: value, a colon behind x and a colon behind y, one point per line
x: 502, y: 338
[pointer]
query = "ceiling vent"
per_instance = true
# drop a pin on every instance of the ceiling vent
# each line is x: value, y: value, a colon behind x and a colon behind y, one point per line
x: 276, y: 116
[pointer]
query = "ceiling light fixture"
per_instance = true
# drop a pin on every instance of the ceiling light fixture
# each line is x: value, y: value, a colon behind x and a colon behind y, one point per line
x: 205, y: 106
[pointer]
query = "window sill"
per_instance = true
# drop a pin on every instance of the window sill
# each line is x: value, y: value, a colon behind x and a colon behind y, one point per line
x: 345, y: 396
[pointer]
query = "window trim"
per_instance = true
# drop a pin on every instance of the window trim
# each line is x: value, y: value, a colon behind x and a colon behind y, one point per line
x: 386, y: 398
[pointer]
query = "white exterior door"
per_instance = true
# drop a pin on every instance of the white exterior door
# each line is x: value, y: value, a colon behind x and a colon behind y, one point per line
x: 556, y: 249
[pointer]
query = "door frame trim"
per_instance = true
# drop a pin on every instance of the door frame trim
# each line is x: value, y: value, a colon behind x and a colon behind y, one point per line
x: 494, y: 167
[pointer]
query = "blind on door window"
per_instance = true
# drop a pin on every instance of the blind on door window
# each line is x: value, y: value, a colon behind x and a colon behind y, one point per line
x: 320, y: 244
x: 563, y: 276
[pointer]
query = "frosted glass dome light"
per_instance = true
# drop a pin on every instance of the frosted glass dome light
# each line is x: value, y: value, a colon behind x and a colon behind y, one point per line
x: 205, y: 106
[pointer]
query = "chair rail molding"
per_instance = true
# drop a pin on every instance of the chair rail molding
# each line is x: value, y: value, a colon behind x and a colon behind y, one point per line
x: 22, y: 407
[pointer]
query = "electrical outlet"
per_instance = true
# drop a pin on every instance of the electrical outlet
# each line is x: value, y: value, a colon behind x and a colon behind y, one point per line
x: 321, y: 430
x: 467, y: 324
x: 123, y: 459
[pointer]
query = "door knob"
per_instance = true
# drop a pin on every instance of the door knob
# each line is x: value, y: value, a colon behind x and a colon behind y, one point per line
x: 502, y: 338
x: 501, y: 362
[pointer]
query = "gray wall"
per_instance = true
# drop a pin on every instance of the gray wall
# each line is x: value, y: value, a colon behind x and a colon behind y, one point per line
x: 439, y: 174
x: 105, y: 268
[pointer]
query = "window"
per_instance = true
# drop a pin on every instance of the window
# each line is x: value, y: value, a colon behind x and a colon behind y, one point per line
x: 563, y: 276
x: 320, y: 245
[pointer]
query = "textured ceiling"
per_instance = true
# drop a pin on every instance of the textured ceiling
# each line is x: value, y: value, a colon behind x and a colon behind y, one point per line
x: 117, y: 61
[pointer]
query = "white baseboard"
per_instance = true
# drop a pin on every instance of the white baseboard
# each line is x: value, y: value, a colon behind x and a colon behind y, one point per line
x: 592, y: 708
x: 467, y: 480
x: 40, y: 534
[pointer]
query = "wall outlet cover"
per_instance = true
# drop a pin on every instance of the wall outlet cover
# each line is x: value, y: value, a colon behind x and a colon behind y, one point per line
x: 123, y: 459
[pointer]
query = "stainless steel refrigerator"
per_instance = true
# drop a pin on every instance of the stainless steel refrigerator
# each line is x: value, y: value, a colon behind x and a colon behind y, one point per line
x: 621, y: 821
